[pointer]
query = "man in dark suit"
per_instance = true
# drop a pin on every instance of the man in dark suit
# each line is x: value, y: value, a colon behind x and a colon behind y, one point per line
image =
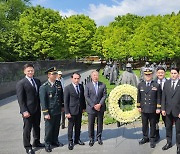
x: 160, y: 73
x: 75, y: 105
x: 148, y: 99
x: 27, y: 91
x: 171, y: 107
x: 51, y: 98
x: 95, y: 95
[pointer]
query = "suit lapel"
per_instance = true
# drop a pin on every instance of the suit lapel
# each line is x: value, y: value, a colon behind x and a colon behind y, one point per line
x: 176, y: 88
x: 30, y: 85
x: 73, y: 88
x: 99, y: 84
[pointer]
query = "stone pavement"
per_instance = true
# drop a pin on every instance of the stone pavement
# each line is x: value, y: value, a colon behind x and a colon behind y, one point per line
x: 123, y: 140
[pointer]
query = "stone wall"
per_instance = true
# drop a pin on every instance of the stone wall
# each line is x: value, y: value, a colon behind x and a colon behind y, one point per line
x: 11, y: 72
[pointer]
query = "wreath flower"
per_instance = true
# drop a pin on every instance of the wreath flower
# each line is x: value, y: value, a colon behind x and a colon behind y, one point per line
x: 115, y: 111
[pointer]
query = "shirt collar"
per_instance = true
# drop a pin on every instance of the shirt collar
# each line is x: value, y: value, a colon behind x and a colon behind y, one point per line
x: 94, y: 83
x: 175, y: 80
x: 52, y: 83
x: 163, y: 80
x: 75, y: 85
x: 28, y: 77
x: 148, y: 82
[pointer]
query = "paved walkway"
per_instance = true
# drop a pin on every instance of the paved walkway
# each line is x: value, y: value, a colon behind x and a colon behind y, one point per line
x: 123, y: 140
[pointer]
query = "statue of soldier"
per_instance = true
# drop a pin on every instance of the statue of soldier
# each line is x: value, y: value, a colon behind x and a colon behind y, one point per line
x: 128, y: 77
x: 114, y: 72
x: 154, y: 67
x: 106, y: 71
x: 164, y: 66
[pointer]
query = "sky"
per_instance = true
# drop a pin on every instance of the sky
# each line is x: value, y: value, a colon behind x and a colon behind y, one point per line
x: 104, y: 11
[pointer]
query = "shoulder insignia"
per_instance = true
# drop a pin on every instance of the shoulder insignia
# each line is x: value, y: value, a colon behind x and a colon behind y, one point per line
x: 45, y: 83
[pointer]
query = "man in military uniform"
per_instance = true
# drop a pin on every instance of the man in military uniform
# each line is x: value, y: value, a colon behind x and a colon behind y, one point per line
x: 148, y: 103
x: 51, y: 99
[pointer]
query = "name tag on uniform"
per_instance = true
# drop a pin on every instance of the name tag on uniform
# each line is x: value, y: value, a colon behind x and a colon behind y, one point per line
x: 154, y: 88
x: 59, y: 87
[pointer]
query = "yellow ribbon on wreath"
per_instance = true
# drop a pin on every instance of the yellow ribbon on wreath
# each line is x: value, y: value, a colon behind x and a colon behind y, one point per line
x: 115, y: 111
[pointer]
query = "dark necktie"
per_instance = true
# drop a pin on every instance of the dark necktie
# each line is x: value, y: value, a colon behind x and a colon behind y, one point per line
x: 77, y: 89
x: 34, y: 85
x: 148, y: 84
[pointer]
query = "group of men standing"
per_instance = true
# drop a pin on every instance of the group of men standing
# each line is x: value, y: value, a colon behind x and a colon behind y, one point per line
x: 160, y: 96
x: 55, y: 99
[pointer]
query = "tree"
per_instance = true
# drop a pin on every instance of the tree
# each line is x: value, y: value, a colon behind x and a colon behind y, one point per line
x: 97, y: 41
x: 10, y: 10
x: 118, y: 34
x: 43, y: 34
x: 154, y: 40
x: 81, y: 30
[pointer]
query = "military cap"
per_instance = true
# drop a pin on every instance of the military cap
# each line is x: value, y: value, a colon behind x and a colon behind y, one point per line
x: 128, y: 65
x: 148, y: 70
x: 51, y: 70
x: 59, y: 72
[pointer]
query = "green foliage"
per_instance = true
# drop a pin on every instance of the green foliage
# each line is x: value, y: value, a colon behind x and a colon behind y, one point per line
x: 10, y: 12
x: 43, y: 34
x: 80, y: 31
x: 31, y: 33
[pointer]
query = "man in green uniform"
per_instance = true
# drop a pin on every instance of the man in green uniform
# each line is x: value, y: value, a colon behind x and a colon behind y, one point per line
x: 51, y: 99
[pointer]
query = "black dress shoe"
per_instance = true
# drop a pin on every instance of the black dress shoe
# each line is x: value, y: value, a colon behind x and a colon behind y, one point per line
x: 178, y: 150
x: 79, y: 142
x: 99, y: 141
x: 38, y: 145
x: 152, y: 145
x: 58, y: 144
x: 167, y: 146
x: 91, y: 142
x: 30, y: 151
x: 48, y: 148
x: 143, y: 141
x: 70, y: 146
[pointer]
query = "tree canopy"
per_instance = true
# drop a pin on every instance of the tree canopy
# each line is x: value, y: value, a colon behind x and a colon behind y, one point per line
x: 31, y: 33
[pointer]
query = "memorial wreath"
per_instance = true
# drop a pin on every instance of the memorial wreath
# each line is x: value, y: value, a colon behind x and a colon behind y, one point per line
x: 114, y: 109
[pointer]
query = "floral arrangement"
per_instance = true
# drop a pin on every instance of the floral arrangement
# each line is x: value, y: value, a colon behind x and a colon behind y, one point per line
x: 114, y: 109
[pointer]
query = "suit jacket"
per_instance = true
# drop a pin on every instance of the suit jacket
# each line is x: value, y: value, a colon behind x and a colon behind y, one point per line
x: 93, y: 99
x: 171, y: 99
x: 149, y: 98
x: 74, y: 103
x: 28, y: 97
x: 156, y: 80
